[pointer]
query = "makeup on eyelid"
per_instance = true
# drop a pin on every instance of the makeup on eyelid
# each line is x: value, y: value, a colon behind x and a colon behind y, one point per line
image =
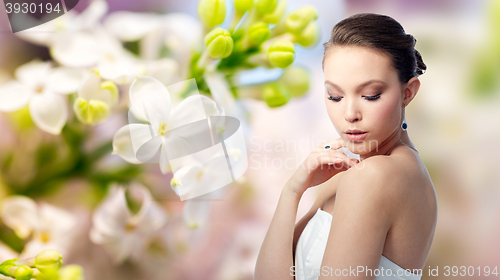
x: 337, y: 98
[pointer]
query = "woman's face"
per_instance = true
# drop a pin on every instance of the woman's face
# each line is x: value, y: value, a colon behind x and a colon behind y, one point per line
x: 363, y: 92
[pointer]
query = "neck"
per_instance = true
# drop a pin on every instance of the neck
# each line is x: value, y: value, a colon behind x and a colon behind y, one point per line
x: 397, y: 138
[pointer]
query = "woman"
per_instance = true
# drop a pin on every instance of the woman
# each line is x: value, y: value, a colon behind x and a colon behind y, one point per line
x: 373, y: 219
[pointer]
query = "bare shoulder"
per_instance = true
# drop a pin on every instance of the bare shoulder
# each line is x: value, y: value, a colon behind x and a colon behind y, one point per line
x: 364, y: 208
x: 388, y: 202
x: 379, y: 178
x: 374, y: 172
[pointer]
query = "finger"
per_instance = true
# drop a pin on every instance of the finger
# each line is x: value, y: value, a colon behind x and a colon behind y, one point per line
x: 354, y: 161
x: 328, y: 157
x: 318, y: 161
x: 334, y: 145
x: 350, y: 161
x: 334, y: 157
x: 347, y: 161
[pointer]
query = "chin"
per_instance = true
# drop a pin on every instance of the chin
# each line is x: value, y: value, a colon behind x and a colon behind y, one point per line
x: 360, y: 148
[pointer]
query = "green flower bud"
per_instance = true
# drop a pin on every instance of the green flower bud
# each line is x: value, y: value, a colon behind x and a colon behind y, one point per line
x: 23, y: 272
x: 297, y: 80
x: 219, y: 43
x: 113, y: 89
x: 91, y: 112
x: 48, y: 260
x: 275, y: 94
x: 258, y: 33
x: 50, y: 274
x: 299, y: 19
x: 7, y: 265
x: 242, y: 6
x: 71, y: 272
x: 212, y: 12
x: 281, y: 53
x: 277, y: 14
x: 265, y: 6
x: 310, y: 36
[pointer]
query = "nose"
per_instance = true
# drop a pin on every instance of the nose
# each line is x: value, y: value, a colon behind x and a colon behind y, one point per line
x: 352, y: 113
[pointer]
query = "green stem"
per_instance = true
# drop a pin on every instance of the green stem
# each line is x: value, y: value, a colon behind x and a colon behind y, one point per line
x: 285, y: 36
x: 29, y: 262
x: 234, y: 22
x: 278, y: 29
x: 101, y: 151
x: 203, y: 61
x: 251, y: 91
x: 251, y: 18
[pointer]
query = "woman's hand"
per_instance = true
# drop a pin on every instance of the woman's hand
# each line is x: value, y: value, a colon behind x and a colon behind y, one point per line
x: 315, y: 169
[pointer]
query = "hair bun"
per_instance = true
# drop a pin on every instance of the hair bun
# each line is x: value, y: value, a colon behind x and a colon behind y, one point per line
x: 365, y: 30
x: 421, y: 67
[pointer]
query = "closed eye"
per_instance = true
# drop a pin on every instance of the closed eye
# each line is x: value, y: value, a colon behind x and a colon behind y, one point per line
x: 334, y: 98
x: 372, y: 97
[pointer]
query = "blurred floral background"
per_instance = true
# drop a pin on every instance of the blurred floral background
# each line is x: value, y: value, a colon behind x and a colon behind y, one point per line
x: 69, y: 180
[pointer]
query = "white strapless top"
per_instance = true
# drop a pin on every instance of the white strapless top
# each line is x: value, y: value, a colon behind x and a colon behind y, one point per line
x: 311, y: 248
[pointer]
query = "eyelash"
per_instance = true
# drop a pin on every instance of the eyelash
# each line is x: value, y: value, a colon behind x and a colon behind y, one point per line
x: 334, y: 98
x: 371, y: 98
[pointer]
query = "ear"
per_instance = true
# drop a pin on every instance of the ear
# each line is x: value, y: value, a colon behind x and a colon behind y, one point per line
x: 410, y: 90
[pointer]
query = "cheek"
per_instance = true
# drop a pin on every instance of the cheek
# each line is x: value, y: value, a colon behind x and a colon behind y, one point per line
x: 387, y: 114
x: 333, y: 113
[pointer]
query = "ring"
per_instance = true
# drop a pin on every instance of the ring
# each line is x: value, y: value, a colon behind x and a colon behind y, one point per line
x: 327, y: 147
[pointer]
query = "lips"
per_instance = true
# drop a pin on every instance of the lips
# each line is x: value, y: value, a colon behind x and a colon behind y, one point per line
x: 355, y: 134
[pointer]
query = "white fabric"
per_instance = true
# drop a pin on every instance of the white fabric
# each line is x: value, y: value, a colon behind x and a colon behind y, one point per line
x: 311, y: 248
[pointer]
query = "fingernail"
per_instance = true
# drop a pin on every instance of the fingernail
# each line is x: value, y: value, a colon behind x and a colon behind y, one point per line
x: 339, y: 160
x: 354, y: 162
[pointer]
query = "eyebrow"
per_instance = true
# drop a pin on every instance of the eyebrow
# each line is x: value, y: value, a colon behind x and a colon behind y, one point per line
x: 358, y: 87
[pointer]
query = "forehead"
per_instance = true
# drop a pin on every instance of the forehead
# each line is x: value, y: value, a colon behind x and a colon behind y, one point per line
x: 349, y: 66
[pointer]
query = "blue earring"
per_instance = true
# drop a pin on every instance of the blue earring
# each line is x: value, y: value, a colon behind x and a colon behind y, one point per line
x: 404, y: 125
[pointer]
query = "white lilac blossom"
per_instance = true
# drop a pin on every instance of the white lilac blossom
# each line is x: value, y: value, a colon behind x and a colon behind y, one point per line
x: 104, y: 52
x: 195, y: 213
x: 48, y: 226
x: 206, y: 176
x: 95, y: 99
x: 204, y: 173
x: 130, y: 26
x: 222, y: 94
x: 80, y: 41
x: 165, y: 70
x: 203, y: 176
x: 122, y: 67
x: 97, y: 49
x: 183, y: 36
x: 71, y: 38
x: 116, y: 63
x: 40, y: 86
x: 123, y: 233
x: 48, y: 33
x: 179, y: 33
x: 151, y: 105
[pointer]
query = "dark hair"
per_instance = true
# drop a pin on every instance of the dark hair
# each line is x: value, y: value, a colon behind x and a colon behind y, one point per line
x: 381, y: 33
